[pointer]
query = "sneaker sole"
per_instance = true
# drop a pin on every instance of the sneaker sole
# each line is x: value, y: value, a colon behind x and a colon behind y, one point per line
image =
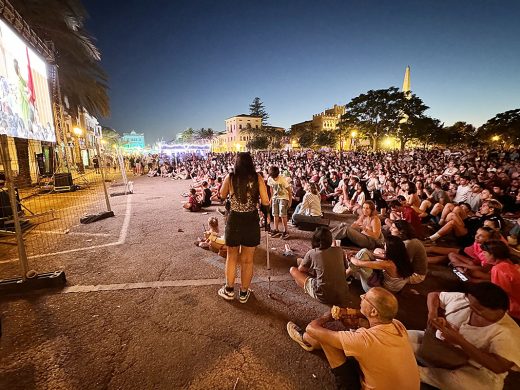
x: 301, y: 343
x: 226, y: 297
x: 245, y: 299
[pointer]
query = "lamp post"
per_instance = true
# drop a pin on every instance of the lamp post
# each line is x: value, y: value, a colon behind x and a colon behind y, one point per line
x: 78, y: 132
x: 353, y: 135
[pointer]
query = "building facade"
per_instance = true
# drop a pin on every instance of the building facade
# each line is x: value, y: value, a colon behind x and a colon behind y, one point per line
x: 328, y: 119
x: 235, y: 137
x: 133, y: 140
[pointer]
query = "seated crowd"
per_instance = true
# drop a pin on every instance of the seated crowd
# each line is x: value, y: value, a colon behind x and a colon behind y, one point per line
x: 410, y: 209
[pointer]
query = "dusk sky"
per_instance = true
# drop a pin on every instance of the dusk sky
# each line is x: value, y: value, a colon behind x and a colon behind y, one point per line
x: 179, y: 64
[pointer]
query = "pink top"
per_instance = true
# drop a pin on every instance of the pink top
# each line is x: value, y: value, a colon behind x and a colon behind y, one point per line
x: 507, y: 275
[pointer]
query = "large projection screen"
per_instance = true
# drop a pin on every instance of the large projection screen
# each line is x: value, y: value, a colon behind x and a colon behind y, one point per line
x: 25, y: 104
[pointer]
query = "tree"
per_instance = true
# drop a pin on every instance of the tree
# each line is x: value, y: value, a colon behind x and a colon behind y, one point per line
x: 259, y: 143
x: 187, y: 136
x: 325, y: 138
x: 505, y: 126
x: 256, y: 108
x: 411, y: 124
x: 205, y: 135
x: 460, y: 133
x: 375, y: 113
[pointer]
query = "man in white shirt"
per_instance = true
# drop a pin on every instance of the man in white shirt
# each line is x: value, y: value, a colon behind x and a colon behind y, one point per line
x: 478, y: 323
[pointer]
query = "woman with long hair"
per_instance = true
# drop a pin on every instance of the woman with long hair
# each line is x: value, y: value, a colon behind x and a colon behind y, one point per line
x: 244, y: 187
x: 309, y: 210
x: 392, y: 271
x: 365, y: 232
x: 415, y: 248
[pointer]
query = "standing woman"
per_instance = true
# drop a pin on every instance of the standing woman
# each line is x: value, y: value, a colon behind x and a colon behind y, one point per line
x: 244, y: 187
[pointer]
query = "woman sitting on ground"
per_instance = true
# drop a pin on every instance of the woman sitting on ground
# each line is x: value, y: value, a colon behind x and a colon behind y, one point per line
x: 391, y: 272
x: 414, y: 247
x: 504, y: 273
x: 357, y: 199
x: 310, y: 207
x: 365, y: 232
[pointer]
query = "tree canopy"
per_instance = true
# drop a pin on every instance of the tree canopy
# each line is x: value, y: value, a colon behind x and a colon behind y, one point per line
x: 257, y: 108
x: 505, y: 125
x: 375, y: 113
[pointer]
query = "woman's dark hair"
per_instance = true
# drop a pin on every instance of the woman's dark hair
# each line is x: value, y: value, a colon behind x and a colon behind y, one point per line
x: 396, y: 251
x: 406, y: 230
x: 322, y: 238
x: 489, y: 295
x: 244, y: 177
x: 274, y: 172
x: 498, y: 249
x: 412, y: 188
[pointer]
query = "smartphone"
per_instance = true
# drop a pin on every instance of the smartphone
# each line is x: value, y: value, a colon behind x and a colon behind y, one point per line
x: 460, y: 275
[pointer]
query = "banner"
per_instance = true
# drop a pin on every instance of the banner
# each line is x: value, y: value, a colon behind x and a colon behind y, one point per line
x: 25, y: 104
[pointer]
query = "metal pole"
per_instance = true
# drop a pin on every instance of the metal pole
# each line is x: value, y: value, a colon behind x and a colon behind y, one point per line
x: 101, y: 164
x: 6, y: 161
x: 268, y: 260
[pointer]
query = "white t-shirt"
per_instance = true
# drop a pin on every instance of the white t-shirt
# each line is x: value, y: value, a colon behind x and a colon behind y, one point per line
x: 501, y: 338
x: 462, y: 193
x: 279, y: 187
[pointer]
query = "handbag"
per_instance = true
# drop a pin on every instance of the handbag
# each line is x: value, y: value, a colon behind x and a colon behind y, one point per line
x: 376, y: 278
x: 339, y: 208
x: 434, y: 352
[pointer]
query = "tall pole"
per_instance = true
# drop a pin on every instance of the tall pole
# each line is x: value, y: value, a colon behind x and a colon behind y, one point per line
x: 102, y: 170
x: 6, y: 161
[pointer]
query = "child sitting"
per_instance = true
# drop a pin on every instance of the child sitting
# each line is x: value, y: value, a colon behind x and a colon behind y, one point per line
x: 212, y: 239
x: 193, y: 203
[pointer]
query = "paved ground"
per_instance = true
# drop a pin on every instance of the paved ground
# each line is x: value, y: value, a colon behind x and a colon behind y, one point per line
x: 141, y: 310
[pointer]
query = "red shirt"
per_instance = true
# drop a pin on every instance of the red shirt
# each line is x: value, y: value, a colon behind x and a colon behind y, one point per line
x: 507, y: 275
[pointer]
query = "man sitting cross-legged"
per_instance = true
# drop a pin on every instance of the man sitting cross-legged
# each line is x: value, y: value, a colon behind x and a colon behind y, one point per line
x: 321, y: 273
x: 378, y: 357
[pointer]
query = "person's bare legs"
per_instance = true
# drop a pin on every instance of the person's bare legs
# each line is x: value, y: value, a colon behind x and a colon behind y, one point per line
x: 298, y: 276
x: 276, y: 222
x: 231, y: 264
x: 445, y: 211
x: 246, y: 266
x: 284, y: 222
x: 437, y: 209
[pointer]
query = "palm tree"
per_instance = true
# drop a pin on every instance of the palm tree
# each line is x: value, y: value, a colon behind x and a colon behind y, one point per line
x: 205, y: 135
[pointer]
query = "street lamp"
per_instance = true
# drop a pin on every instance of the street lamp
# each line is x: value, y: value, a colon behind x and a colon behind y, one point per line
x: 495, y: 138
x: 78, y: 132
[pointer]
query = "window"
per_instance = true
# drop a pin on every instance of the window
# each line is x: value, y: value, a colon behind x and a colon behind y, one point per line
x: 240, y: 127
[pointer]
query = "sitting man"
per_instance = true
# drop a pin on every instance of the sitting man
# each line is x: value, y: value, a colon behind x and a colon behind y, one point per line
x: 381, y: 352
x: 321, y: 273
x: 478, y: 323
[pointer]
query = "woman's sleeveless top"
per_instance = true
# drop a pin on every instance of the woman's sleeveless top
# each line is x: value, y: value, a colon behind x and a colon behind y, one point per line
x: 393, y: 284
x: 251, y: 198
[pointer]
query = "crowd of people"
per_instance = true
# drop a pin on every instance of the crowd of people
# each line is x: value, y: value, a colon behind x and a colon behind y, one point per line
x: 410, y: 209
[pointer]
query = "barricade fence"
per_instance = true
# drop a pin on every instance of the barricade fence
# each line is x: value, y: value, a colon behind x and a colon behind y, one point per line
x: 42, y: 219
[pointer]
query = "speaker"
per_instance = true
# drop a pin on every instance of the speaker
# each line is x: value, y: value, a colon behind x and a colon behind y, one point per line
x: 5, y: 205
x: 63, y: 180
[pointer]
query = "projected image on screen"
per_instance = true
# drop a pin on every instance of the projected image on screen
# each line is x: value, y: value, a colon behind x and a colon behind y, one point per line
x: 25, y: 105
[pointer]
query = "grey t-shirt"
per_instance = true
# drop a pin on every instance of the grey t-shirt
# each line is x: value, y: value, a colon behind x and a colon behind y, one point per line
x: 417, y: 255
x: 328, y: 270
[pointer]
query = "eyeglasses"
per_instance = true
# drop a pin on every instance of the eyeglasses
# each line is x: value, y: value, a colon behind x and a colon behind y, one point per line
x: 364, y: 297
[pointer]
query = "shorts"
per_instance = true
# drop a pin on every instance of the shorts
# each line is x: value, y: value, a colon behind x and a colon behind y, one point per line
x: 243, y: 229
x: 308, y: 287
x: 280, y: 207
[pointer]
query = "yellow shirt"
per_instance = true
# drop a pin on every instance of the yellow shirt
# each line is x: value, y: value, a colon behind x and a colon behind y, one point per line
x: 385, y: 356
